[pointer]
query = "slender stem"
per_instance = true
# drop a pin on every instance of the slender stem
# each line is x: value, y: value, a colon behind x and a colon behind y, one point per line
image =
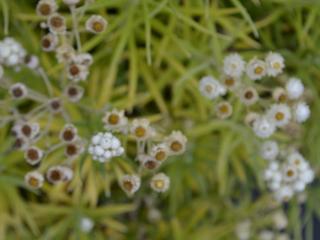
x: 46, y: 81
x: 75, y: 27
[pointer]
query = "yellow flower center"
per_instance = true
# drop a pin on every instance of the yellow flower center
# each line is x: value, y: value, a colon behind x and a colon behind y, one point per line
x: 160, y: 155
x: 140, y: 132
x: 229, y: 82
x: 279, y: 116
x: 113, y: 119
x: 224, y: 108
x: 290, y: 173
x: 97, y: 26
x: 258, y: 70
x: 159, y: 184
x: 276, y: 65
x: 208, y: 88
x: 128, y: 185
x: 33, y: 182
x: 176, y: 146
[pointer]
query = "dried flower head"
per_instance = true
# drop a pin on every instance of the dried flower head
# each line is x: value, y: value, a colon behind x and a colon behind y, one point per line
x: 223, y: 110
x: 160, y: 152
x: 96, y: 24
x: 176, y: 143
x: 130, y: 184
x: 49, y: 42
x: 115, y: 121
x: 33, y: 155
x: 141, y: 129
x: 249, y: 96
x: 46, y: 7
x: 160, y: 182
x: 18, y: 91
x: 256, y: 69
x: 55, y: 105
x: 69, y: 133
x: 57, y: 23
x: 74, y: 92
x: 34, y: 179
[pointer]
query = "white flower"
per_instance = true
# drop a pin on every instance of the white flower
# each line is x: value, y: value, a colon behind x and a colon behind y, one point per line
x: 280, y: 220
x: 307, y: 176
x: 83, y: 59
x: 18, y: 91
x: 32, y: 61
x: 96, y: 24
x: 289, y: 173
x: 130, y: 184
x: 256, y: 69
x: 46, y: 7
x: 233, y: 65
x: 33, y: 155
x: 105, y: 146
x: 160, y: 152
x: 57, y: 174
x: 269, y: 150
x: 160, y: 182
x: 243, y: 230
x: 284, y: 193
x: 294, y: 88
x: 11, y: 52
x: 49, y: 42
x: 211, y: 88
x: 223, y: 110
x: 148, y: 162
x: 266, y: 235
x: 73, y: 92
x: 65, y: 53
x: 280, y: 114
x: 77, y: 72
x: 275, y: 64
x: 26, y: 130
x: 263, y: 127
x: 69, y: 133
x: 34, y: 179
x: 141, y: 129
x: 279, y: 94
x: 57, y: 23
x: 115, y: 121
x: 249, y: 96
x: 231, y: 83
x: 86, y: 224
x: 301, y: 112
x: 176, y: 143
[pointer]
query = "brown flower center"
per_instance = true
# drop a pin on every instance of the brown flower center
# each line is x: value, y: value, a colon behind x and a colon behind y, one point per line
x: 229, y: 82
x: 71, y: 149
x: 57, y: 21
x: 176, y: 146
x: 248, y: 95
x: 97, y: 26
x: 45, y: 9
x: 55, y: 175
x: 128, y: 185
x: 33, y: 154
x: 290, y: 173
x: 74, y: 70
x: 113, y: 119
x: 46, y: 43
x: 17, y: 92
x: 26, y: 130
x: 224, y: 108
x: 68, y: 135
x: 72, y: 91
x: 150, y: 164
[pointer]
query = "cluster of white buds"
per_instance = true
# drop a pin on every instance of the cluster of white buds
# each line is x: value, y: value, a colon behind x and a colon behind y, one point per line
x: 105, y: 146
x: 283, y: 111
x: 285, y: 175
x: 11, y: 52
x: 152, y: 152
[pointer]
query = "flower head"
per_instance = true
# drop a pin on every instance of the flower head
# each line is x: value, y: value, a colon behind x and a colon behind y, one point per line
x: 211, y: 88
x: 275, y: 64
x: 115, y: 121
x: 141, y: 129
x: 280, y: 114
x: 130, y: 184
x: 34, y: 179
x: 263, y: 127
x: 160, y: 182
x: 294, y: 88
x: 46, y: 7
x: 176, y: 143
x: 233, y: 65
x: 256, y: 69
x: 96, y: 24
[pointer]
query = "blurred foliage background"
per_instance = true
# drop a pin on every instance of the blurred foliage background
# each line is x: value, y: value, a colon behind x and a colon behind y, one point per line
x: 148, y: 62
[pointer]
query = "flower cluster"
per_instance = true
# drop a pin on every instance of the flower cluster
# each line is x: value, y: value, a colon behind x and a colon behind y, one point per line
x: 31, y: 137
x: 286, y: 174
x: 283, y: 111
x: 152, y: 151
